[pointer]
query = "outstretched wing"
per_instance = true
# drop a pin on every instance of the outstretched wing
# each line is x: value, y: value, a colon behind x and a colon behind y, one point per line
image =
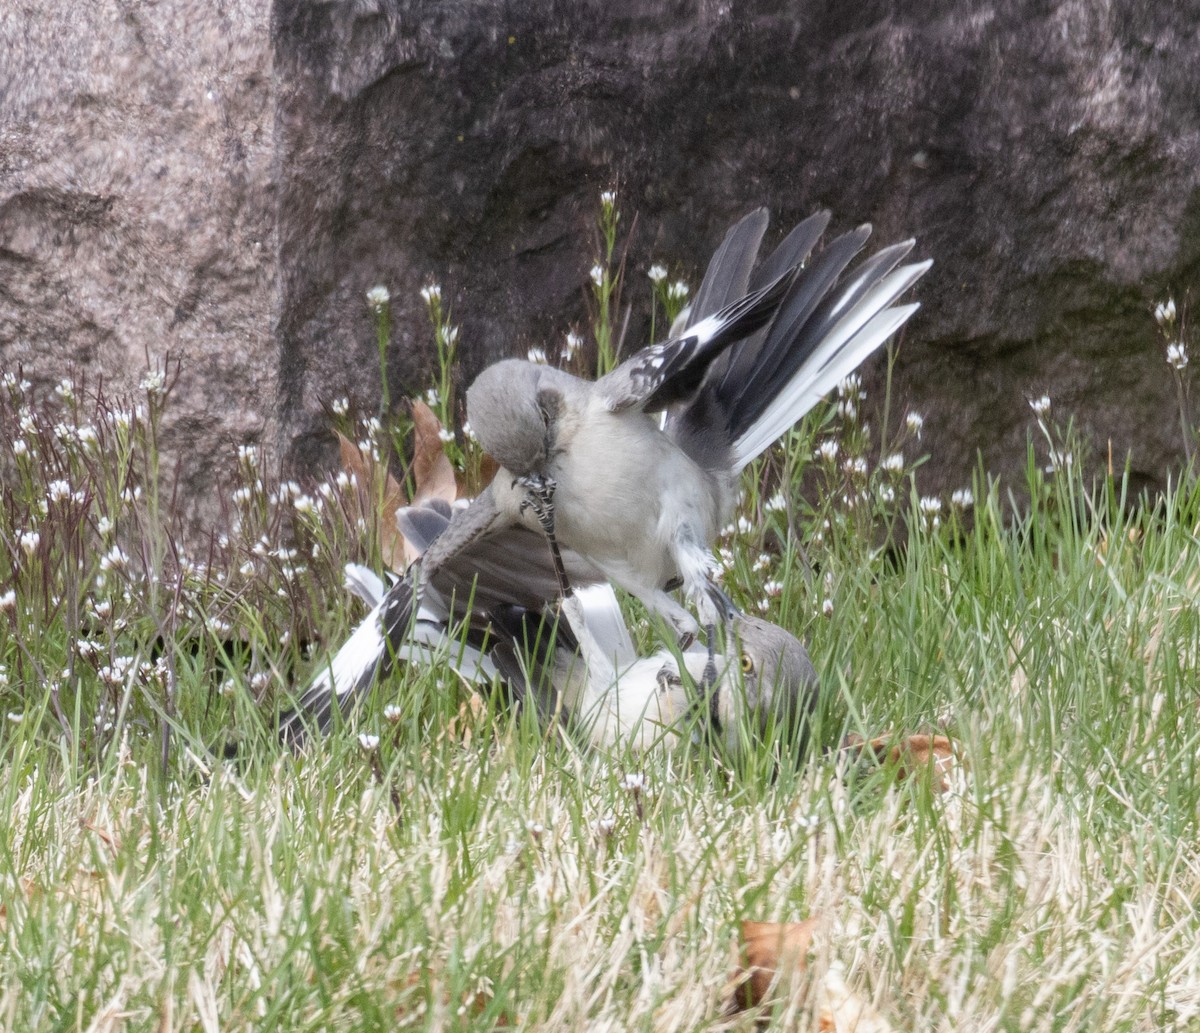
x: 667, y: 373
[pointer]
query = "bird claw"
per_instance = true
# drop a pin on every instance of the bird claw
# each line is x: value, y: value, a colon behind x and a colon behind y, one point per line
x: 539, y: 496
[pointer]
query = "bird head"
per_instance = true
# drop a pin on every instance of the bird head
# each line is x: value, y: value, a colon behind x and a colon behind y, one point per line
x: 513, y: 407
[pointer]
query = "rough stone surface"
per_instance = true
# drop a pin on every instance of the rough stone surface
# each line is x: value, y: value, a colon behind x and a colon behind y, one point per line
x: 228, y: 181
x: 1046, y: 155
x: 137, y: 211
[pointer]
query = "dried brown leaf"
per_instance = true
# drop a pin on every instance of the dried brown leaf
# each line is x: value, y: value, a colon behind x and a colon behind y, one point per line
x: 432, y: 472
x: 937, y: 755
x: 107, y: 837
x: 390, y: 495
x: 769, y: 948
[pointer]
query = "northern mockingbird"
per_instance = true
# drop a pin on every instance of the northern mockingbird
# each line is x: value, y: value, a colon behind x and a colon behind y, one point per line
x: 583, y: 669
x: 644, y: 462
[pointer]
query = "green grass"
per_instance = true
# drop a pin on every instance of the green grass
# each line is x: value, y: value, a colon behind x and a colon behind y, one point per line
x: 478, y: 872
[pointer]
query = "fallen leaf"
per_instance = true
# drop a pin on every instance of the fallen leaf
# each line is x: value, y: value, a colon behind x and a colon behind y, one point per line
x: 469, y: 487
x: 104, y: 835
x: 432, y: 472
x: 458, y: 728
x: 769, y: 948
x: 911, y: 755
x: 366, y: 473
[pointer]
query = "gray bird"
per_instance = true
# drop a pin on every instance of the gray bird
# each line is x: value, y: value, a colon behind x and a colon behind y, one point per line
x: 581, y: 668
x: 644, y: 462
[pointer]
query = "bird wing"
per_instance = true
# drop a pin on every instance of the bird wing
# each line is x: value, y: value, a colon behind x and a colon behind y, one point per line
x: 665, y: 374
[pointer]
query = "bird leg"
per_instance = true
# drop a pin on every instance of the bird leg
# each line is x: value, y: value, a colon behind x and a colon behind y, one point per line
x: 539, y: 497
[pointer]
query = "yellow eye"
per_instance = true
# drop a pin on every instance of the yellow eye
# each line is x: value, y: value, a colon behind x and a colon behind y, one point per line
x: 747, y: 664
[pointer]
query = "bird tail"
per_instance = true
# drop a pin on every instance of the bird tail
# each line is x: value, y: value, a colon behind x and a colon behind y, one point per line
x: 826, y: 326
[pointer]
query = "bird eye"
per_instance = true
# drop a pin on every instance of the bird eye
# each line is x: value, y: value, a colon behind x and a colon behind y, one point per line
x: 747, y: 664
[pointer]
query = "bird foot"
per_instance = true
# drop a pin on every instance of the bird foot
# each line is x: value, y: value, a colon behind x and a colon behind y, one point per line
x: 539, y: 497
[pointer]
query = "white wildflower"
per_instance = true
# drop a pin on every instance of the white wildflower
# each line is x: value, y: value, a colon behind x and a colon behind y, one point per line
x: 827, y: 450
x: 856, y: 466
x: 635, y: 782
x: 29, y: 541
x: 657, y: 273
x: 1177, y: 355
x: 887, y: 493
x: 537, y: 355
x: 606, y: 826
x: 305, y: 504
x: 761, y: 563
x: 57, y: 491
x: 340, y: 406
x: 368, y: 743
x: 677, y: 291
x: 20, y: 448
x: 963, y: 498
x: 1164, y: 312
x: 114, y: 559
x: 1059, y: 461
x: 8, y: 600
x: 850, y: 387
x: 468, y: 432
x: 153, y: 381
x: 608, y: 198
x: 893, y: 463
x: 773, y: 589
x: 827, y: 607
x: 597, y: 275
x: 431, y: 294
x: 930, y: 505
x: 15, y: 717
x: 378, y: 296
x: 445, y: 435
x: 1040, y: 406
x: 65, y: 389
x: 775, y: 503
x: 574, y: 343
x: 432, y: 398
x: 915, y: 422
x: 392, y: 713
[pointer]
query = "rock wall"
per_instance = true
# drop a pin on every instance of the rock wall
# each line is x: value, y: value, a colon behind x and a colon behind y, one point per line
x: 228, y: 182
x: 138, y: 210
